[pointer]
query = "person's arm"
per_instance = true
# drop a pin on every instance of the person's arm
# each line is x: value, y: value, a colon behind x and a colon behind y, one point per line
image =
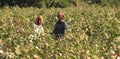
x: 66, y: 26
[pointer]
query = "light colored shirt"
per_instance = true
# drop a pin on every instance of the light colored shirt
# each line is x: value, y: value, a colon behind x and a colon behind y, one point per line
x: 39, y: 30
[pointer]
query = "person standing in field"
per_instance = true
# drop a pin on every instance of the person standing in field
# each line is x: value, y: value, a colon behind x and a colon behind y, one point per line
x: 60, y: 27
x: 37, y: 26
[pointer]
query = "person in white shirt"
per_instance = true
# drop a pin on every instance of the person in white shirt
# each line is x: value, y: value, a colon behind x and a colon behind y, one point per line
x: 37, y: 27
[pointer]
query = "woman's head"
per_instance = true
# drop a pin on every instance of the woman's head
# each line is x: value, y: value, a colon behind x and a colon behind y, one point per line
x: 60, y: 15
x: 39, y: 20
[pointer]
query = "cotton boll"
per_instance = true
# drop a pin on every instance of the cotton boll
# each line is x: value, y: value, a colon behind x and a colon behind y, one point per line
x: 113, y: 52
x: 31, y: 41
x: 1, y: 51
x: 36, y: 47
x: 118, y: 57
x: 118, y: 46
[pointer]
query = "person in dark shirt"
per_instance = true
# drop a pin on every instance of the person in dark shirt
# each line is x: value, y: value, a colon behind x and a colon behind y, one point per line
x: 60, y: 27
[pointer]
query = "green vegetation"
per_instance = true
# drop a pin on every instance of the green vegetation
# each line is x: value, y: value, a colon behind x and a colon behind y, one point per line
x: 54, y: 3
x: 38, y: 3
x: 94, y: 33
